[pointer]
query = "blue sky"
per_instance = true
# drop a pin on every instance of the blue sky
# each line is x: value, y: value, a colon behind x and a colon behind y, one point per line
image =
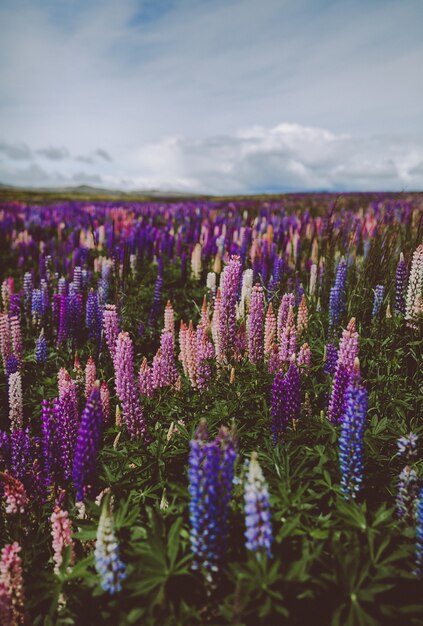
x: 217, y: 96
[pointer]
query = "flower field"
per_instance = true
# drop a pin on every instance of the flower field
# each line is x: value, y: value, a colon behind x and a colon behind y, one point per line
x: 212, y: 412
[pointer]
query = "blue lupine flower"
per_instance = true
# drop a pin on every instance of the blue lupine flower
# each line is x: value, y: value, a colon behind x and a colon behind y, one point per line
x: 12, y: 365
x: 258, y: 532
x: 27, y: 289
x: 93, y: 316
x: 88, y: 445
x: 407, y: 446
x: 378, y: 299
x: 210, y: 473
x: 419, y: 535
x: 351, y: 439
x: 36, y: 305
x: 41, y: 349
x: 407, y: 494
x: 337, y: 295
x: 111, y: 569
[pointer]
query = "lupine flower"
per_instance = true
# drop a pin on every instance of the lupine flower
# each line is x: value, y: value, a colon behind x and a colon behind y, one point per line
x: 302, y: 318
x: 65, y: 410
x: 210, y: 474
x: 108, y: 564
x: 313, y: 280
x: 37, y: 306
x: 111, y: 327
x: 12, y: 365
x: 216, y: 322
x: 204, y: 354
x: 164, y: 371
x: 337, y: 295
x: 48, y: 439
x: 246, y: 289
x: 15, y: 496
x: 169, y: 319
x: 11, y: 580
x: 287, y: 302
x: 105, y: 400
x: 211, y: 283
x: 16, y: 337
x: 41, y: 349
x: 258, y: 532
x: 330, y: 359
x: 90, y: 376
x: 415, y: 286
x: 157, y: 301
x: 61, y: 532
x: 93, y: 317
x: 88, y: 445
x: 196, y: 262
x: 144, y: 379
x: 351, y: 439
x: 15, y: 401
x: 27, y: 289
x: 227, y: 317
x: 304, y: 356
x: 269, y: 331
x: 5, y: 339
x: 400, y: 286
x: 419, y: 535
x: 407, y: 494
x: 288, y: 338
x: 285, y: 404
x: 347, y: 353
x: 63, y: 332
x: 378, y: 299
x: 407, y: 446
x: 255, y: 326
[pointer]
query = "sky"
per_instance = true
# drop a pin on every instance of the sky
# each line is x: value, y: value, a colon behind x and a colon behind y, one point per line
x: 212, y: 96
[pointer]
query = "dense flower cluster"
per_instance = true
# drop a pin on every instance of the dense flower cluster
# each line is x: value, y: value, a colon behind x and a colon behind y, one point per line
x: 258, y: 532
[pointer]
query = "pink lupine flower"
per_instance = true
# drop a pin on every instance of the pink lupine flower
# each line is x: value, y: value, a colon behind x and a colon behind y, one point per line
x: 288, y: 338
x: 90, y: 376
x: 5, y: 338
x: 302, y: 317
x: 183, y: 330
x: 304, y: 356
x: 204, y: 353
x: 144, y: 379
x: 255, y: 326
x: 205, y: 322
x: 11, y: 580
x: 111, y: 327
x: 169, y: 319
x: 191, y: 355
x: 16, y: 336
x: 288, y: 300
x: 274, y: 362
x: 269, y: 331
x: 348, y: 346
x: 61, y: 531
x: 15, y: 496
x: 414, y: 288
x: 105, y: 400
x: 15, y: 401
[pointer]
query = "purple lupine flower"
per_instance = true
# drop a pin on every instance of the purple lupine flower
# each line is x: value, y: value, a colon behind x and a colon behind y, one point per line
x: 407, y: 446
x: 210, y: 474
x: 278, y: 412
x: 21, y: 454
x: 337, y: 295
x: 351, y: 442
x: 347, y: 354
x: 15, y: 305
x: 400, y: 286
x: 27, y: 289
x: 12, y: 365
x: 65, y: 409
x: 258, y: 532
x: 75, y: 314
x: 292, y: 401
x: 331, y: 357
x: 36, y: 306
x: 256, y: 326
x: 63, y: 331
x: 378, y: 299
x: 164, y: 372
x: 227, y: 318
x: 48, y: 439
x: 407, y: 494
x: 88, y: 445
x: 5, y: 450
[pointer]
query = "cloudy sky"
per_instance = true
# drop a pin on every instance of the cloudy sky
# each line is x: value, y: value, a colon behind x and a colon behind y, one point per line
x: 216, y: 96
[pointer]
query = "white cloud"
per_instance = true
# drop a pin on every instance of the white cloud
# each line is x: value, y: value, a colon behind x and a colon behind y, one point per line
x: 287, y: 157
